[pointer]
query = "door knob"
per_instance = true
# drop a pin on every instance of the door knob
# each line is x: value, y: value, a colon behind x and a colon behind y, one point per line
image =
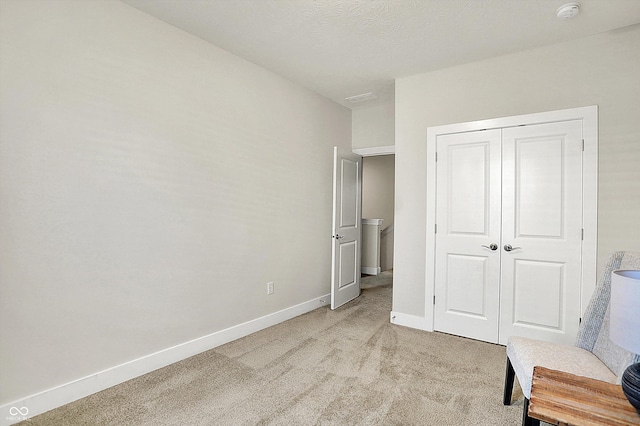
x: 492, y: 246
x: 337, y: 236
x: 507, y: 247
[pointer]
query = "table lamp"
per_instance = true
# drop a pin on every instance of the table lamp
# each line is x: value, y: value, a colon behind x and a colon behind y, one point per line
x: 624, y: 326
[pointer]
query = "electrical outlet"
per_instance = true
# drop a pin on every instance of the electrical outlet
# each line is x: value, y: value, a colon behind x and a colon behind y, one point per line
x: 270, y: 287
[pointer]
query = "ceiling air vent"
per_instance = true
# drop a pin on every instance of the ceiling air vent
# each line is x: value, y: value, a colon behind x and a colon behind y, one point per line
x: 360, y: 98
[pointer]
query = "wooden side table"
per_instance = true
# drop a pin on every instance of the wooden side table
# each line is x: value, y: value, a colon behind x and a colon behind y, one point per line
x: 561, y: 398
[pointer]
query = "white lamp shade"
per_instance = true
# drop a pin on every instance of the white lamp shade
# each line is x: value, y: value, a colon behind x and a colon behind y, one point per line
x: 624, y: 325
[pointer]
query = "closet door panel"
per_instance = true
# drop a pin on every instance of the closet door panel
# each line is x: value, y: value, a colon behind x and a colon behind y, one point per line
x: 541, y: 231
x: 468, y: 218
x: 538, y: 284
x: 538, y: 198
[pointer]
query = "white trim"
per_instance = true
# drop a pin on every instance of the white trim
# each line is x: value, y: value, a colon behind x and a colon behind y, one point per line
x: 72, y: 391
x: 590, y: 204
x: 375, y: 150
x: 411, y: 321
x: 386, y: 231
x: 372, y: 221
x: 589, y: 117
x: 370, y: 270
x: 517, y: 120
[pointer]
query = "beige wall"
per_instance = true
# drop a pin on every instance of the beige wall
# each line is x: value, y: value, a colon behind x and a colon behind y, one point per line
x: 378, y: 177
x: 373, y: 126
x: 151, y: 184
x: 599, y: 70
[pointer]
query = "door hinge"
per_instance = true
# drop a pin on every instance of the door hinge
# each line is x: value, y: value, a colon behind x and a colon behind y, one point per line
x: 582, y: 235
x: 582, y: 145
x: 435, y: 231
x: 434, y: 299
x: 436, y: 156
x: 580, y: 321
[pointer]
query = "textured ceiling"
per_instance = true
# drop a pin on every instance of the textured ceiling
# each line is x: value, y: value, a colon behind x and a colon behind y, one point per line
x: 341, y: 48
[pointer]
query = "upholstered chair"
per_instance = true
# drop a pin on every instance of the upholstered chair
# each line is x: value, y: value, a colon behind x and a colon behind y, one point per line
x: 593, y: 354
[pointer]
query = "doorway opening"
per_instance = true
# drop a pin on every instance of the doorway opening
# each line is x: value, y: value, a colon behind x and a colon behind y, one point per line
x: 378, y: 192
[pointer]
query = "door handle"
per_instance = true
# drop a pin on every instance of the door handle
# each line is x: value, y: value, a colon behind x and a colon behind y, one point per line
x: 492, y: 246
x: 337, y: 236
x: 507, y: 247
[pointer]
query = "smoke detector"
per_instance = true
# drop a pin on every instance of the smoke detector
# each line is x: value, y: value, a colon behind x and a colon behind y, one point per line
x: 360, y: 98
x: 568, y: 11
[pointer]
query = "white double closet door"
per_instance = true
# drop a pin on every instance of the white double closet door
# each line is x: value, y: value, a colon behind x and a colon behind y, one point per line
x: 509, y: 232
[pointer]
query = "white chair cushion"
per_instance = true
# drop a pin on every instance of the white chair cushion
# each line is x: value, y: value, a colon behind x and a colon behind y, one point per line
x: 525, y: 354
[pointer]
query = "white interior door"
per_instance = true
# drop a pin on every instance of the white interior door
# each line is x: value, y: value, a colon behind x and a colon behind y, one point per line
x: 542, y: 222
x: 468, y: 220
x: 346, y: 228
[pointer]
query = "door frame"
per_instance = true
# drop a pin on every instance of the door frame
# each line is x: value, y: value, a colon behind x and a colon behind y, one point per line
x: 589, y: 117
x: 375, y: 151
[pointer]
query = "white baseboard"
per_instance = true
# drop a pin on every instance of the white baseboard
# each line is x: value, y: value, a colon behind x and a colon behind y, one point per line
x: 370, y: 270
x: 42, y: 402
x: 411, y: 321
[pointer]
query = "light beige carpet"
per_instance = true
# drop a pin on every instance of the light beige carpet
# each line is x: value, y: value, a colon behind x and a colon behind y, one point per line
x: 382, y: 279
x: 343, y: 367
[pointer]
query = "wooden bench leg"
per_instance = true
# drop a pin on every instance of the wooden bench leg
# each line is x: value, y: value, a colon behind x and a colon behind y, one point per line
x: 509, y: 376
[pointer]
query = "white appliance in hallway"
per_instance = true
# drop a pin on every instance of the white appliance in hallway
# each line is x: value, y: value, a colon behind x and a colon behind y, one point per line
x: 371, y: 229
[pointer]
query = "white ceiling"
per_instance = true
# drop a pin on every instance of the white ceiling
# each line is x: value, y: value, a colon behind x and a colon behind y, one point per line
x: 341, y: 48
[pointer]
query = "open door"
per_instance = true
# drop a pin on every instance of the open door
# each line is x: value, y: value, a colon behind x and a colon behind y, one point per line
x: 346, y: 229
